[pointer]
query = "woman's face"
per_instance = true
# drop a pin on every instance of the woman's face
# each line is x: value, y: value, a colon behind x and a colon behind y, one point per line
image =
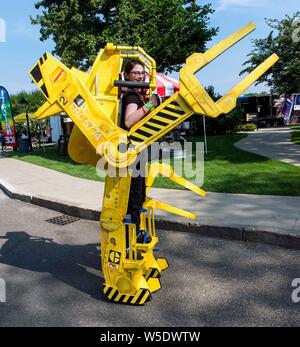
x: 137, y: 74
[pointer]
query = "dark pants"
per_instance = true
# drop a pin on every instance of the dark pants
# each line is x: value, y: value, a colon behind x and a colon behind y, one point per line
x: 137, y: 196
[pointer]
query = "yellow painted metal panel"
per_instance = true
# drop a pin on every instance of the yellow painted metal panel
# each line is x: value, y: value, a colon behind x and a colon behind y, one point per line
x: 130, y: 268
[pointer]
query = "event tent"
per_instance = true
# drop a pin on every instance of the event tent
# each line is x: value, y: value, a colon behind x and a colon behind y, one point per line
x: 166, y: 86
x: 21, y: 118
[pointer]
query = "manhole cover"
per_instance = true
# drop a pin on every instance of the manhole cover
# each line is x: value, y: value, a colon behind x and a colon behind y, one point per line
x: 62, y: 220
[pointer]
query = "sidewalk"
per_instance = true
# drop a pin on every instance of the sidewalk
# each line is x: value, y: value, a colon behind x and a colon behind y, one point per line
x: 273, y: 143
x: 259, y: 218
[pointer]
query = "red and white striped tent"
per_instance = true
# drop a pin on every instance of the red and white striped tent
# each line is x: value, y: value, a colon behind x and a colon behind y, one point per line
x: 166, y: 86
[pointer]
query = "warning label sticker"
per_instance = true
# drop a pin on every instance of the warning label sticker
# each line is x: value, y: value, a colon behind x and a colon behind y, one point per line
x: 79, y: 100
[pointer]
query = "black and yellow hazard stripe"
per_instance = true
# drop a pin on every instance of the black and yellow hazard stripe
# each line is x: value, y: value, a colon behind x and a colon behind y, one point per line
x: 152, y: 272
x: 37, y: 75
x: 175, y: 107
x: 142, y: 296
x: 160, y: 120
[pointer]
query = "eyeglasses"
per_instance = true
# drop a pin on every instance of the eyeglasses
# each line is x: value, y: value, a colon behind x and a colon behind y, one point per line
x: 138, y: 73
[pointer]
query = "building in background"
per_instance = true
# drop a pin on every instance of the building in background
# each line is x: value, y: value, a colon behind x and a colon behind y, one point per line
x: 271, y: 110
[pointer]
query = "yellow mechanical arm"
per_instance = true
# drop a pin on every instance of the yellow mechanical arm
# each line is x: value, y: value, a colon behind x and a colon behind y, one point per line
x: 131, y: 271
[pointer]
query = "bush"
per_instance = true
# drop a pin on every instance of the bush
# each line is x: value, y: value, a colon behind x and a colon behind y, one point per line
x: 245, y: 127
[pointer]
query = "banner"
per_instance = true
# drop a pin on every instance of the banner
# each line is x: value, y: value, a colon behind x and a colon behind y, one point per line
x: 287, y: 111
x: 297, y: 102
x: 6, y: 119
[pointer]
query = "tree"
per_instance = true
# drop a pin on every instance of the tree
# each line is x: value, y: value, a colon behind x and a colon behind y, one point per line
x: 35, y: 99
x: 257, y: 94
x: 284, y: 76
x: 168, y: 30
x: 213, y: 93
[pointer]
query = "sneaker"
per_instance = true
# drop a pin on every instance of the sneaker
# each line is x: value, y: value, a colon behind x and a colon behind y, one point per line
x: 143, y: 237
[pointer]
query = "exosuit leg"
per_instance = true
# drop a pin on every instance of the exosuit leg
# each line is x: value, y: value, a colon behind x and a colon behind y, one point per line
x: 128, y: 278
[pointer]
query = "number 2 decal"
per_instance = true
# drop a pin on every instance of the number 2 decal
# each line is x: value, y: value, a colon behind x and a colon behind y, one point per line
x: 63, y: 100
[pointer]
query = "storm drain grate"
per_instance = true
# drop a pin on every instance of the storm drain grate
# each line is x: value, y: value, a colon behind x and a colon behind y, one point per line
x: 62, y: 220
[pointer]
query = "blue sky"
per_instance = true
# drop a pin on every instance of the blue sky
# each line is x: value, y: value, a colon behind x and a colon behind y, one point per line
x: 23, y: 47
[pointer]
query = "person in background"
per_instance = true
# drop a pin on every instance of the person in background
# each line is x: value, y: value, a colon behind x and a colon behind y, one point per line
x: 2, y: 141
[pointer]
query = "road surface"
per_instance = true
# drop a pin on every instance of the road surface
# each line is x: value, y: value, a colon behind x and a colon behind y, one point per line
x: 53, y: 278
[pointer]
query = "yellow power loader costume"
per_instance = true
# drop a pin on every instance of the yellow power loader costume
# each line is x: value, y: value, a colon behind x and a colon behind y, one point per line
x: 91, y: 100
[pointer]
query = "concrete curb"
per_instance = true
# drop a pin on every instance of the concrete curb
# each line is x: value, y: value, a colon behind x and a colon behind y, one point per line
x: 234, y: 233
x: 74, y: 211
x: 231, y: 233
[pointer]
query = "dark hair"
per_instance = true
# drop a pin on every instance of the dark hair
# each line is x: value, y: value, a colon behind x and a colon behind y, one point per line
x: 131, y: 64
x: 127, y: 69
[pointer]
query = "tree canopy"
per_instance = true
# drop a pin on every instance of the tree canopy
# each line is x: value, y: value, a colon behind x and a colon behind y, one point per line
x: 168, y: 30
x: 35, y: 99
x: 284, y: 39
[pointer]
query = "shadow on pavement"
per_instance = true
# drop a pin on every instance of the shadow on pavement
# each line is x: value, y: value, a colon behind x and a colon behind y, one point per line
x: 75, y: 265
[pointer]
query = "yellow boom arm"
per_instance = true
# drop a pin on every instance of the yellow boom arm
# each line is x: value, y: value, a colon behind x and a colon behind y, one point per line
x: 131, y: 271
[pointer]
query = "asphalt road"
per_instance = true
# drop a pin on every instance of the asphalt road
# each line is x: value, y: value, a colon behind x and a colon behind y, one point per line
x: 53, y: 278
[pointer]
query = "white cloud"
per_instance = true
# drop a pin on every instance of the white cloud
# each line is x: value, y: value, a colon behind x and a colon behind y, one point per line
x: 232, y: 4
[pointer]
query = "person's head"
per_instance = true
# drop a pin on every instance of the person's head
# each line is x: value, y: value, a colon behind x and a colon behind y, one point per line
x: 134, y: 71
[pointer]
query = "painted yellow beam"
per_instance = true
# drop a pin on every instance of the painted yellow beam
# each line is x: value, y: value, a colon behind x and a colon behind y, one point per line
x: 131, y: 271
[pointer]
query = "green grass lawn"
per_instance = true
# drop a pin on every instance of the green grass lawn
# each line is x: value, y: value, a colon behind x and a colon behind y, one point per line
x: 227, y: 169
x: 296, y: 134
x: 51, y: 159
